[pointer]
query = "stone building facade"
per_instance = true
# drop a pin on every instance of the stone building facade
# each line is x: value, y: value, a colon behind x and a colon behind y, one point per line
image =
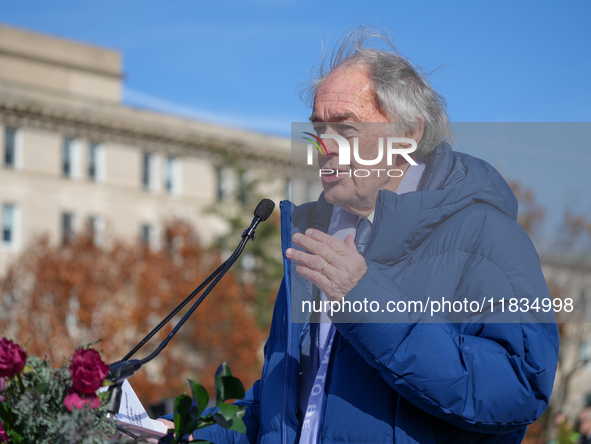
x: 73, y: 156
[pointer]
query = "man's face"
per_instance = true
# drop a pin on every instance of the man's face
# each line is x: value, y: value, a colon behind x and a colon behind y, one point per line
x: 342, y: 104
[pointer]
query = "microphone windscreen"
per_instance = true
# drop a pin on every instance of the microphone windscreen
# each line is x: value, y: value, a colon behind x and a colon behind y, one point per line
x: 264, y: 209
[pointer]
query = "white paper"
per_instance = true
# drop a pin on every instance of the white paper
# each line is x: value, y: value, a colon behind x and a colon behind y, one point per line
x: 133, y: 412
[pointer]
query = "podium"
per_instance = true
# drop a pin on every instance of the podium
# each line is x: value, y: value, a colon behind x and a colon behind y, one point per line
x: 129, y: 432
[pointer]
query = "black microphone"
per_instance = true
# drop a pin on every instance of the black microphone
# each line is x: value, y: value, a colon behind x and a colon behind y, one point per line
x: 124, y: 369
x: 261, y: 214
x: 264, y: 209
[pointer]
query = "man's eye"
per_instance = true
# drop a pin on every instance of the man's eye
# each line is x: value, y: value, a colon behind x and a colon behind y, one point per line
x: 320, y: 129
x: 345, y: 129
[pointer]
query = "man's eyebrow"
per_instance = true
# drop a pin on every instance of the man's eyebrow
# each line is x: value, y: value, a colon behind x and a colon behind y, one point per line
x: 336, y: 117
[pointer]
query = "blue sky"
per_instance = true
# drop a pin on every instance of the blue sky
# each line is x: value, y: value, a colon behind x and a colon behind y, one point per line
x: 241, y: 63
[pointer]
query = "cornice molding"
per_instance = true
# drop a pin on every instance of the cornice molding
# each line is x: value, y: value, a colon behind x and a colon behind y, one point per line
x: 100, y: 128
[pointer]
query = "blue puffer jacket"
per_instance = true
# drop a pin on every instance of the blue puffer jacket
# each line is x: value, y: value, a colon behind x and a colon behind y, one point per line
x: 418, y: 382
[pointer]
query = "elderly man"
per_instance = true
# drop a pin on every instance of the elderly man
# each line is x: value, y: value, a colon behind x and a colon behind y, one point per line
x: 444, y: 228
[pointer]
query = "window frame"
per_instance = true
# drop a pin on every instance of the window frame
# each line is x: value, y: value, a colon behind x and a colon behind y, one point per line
x: 95, y: 162
x: 68, y: 236
x: 71, y: 152
x: 14, y: 226
x: 172, y: 175
x: 17, y: 151
x: 149, y: 236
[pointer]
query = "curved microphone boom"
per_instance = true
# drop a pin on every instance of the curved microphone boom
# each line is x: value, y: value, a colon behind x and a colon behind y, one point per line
x: 124, y: 369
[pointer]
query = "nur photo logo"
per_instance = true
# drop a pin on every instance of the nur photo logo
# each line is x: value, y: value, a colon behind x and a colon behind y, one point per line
x: 387, y: 147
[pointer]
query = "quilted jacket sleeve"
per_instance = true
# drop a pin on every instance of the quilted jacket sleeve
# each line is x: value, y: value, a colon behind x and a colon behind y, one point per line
x: 487, y: 378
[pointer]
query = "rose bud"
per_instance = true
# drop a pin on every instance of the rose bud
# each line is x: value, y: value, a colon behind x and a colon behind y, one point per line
x: 88, y: 371
x: 12, y: 358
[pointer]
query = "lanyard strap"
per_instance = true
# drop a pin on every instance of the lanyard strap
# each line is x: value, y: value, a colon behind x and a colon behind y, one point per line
x: 317, y: 399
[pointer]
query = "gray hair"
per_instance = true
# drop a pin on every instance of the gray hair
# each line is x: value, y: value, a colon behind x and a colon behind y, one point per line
x: 402, y: 91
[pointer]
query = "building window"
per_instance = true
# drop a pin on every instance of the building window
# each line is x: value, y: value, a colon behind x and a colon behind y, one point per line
x: 95, y: 226
x: 172, y: 175
x: 148, y: 237
x: 147, y: 179
x: 95, y: 162
x: 69, y: 158
x: 11, y: 147
x: 245, y: 186
x: 67, y: 228
x: 224, y: 184
x: 9, y: 225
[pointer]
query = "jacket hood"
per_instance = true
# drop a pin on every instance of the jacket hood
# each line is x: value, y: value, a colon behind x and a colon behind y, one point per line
x: 450, y: 183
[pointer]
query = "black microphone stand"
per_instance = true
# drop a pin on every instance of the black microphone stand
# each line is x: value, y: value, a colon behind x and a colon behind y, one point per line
x: 124, y: 369
x: 174, y: 312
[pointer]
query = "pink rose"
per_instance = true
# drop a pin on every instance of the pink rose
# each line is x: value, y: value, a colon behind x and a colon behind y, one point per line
x: 88, y: 371
x: 75, y: 400
x: 12, y: 358
x: 3, y: 435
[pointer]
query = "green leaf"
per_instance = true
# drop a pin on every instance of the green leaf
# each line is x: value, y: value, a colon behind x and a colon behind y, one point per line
x: 182, y: 414
x: 6, y: 414
x: 200, y: 397
x: 104, y: 395
x: 229, y: 417
x: 183, y: 420
x: 8, y: 423
x: 205, y: 421
x: 14, y: 436
x: 228, y: 411
x: 41, y: 387
x: 28, y: 369
x: 223, y: 370
x: 228, y: 387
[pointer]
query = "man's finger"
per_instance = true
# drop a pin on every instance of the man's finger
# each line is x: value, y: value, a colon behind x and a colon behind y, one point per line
x: 332, y: 242
x: 315, y: 247
x: 311, y: 261
x: 318, y: 279
x: 337, y: 253
x: 167, y: 422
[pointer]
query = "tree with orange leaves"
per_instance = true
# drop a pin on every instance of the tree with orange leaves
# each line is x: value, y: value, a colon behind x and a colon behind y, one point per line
x: 574, y: 240
x: 56, y: 299
x: 531, y: 214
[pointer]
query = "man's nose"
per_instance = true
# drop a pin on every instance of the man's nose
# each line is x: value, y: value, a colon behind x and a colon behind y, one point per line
x: 336, y: 145
x: 330, y: 139
x: 332, y: 147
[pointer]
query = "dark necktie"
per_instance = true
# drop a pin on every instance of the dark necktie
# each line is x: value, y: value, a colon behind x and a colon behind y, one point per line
x: 363, y: 233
